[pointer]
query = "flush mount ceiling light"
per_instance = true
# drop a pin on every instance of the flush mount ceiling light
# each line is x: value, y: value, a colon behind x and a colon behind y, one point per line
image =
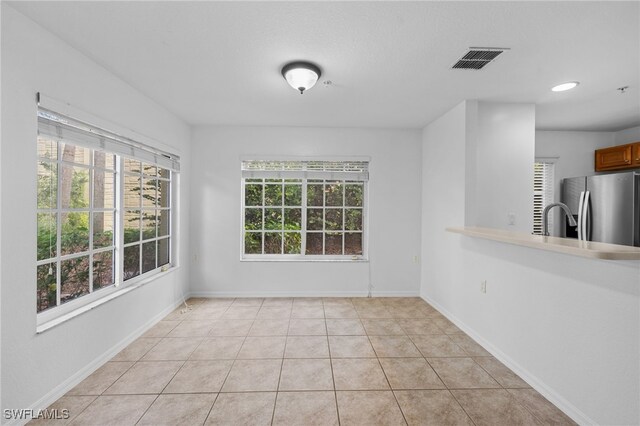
x: 565, y: 86
x: 301, y: 75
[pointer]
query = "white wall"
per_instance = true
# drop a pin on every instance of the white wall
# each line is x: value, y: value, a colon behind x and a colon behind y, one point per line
x: 569, y: 326
x: 627, y: 135
x: 35, y: 368
x: 394, y: 214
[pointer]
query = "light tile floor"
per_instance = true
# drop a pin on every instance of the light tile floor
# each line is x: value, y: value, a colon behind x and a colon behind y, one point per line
x: 306, y: 361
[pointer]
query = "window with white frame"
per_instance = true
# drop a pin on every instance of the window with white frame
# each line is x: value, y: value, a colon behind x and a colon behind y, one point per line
x: 304, y: 209
x: 542, y: 193
x: 104, y: 211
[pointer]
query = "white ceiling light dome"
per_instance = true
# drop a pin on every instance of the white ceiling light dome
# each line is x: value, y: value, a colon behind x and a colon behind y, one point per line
x: 565, y: 86
x: 301, y: 75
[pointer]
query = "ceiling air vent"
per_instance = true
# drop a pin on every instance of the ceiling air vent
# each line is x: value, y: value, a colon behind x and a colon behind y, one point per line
x: 478, y: 57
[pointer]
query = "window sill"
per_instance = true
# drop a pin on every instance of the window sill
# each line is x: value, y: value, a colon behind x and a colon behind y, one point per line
x: 41, y: 328
x: 281, y: 259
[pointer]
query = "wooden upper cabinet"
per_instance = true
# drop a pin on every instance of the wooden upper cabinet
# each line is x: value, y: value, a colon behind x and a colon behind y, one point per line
x: 616, y: 157
x: 636, y: 154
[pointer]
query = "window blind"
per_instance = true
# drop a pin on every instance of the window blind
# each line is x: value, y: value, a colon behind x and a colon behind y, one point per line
x: 63, y: 128
x: 542, y: 194
x: 312, y: 169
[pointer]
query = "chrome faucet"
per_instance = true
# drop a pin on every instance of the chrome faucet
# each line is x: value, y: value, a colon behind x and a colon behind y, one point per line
x: 545, y: 216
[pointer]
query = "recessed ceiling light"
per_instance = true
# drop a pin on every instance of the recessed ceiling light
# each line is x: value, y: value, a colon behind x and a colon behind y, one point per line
x: 301, y: 75
x: 564, y: 86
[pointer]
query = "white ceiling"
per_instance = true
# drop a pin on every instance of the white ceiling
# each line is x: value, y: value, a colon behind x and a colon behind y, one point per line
x: 219, y: 62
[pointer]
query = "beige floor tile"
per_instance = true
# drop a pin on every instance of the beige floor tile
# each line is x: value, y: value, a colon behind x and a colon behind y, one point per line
x: 270, y: 312
x: 445, y: 325
x: 241, y: 312
x: 220, y: 302
x: 161, y: 329
x: 382, y: 327
x: 218, y: 348
x: 340, y: 311
x: 251, y: 409
x: 408, y: 312
x: 205, y: 314
x: 308, y: 301
x: 248, y: 301
x: 410, y: 373
x: 419, y: 326
x: 470, y: 346
x: 278, y: 302
x: 306, y: 375
x: 263, y: 347
x: 173, y: 410
x: 329, y: 301
x: 307, y: 347
x: 431, y: 408
x: 358, y: 374
x: 462, y: 373
x: 173, y: 349
x: 306, y: 408
x: 493, y: 406
x: 253, y: 375
x: 373, y: 312
x: 307, y: 327
x: 345, y: 327
x: 394, y: 346
x: 351, y: 347
x: 191, y: 329
x: 137, y: 349
x: 269, y: 327
x: 73, y: 406
x: 200, y: 376
x: 307, y: 311
x: 437, y: 345
x: 145, y: 378
x: 369, y: 409
x: 101, y: 379
x: 121, y: 410
x: 230, y: 327
x: 176, y: 315
x: 542, y: 409
x: 501, y: 373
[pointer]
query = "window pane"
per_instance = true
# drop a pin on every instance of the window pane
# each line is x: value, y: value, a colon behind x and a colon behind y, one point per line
x: 74, y: 187
x: 353, y: 195
x: 47, y: 235
x: 293, y: 195
x: 46, y: 282
x: 253, y: 219
x: 149, y: 195
x: 333, y: 219
x: 314, y: 243
x: 74, y: 280
x: 164, y: 221
x: 148, y: 224
x: 148, y: 256
x: 75, y: 154
x: 253, y: 242
x: 273, y: 218
x: 353, y: 243
x: 314, y: 219
x: 104, y: 160
x: 163, y: 251
x: 272, y: 243
x: 252, y: 195
x: 103, y: 229
x: 132, y: 191
x: 292, y: 242
x: 47, y: 148
x: 353, y: 219
x: 273, y: 195
x: 131, y: 262
x: 131, y: 166
x: 75, y: 233
x: 131, y: 226
x: 149, y: 169
x: 292, y: 219
x: 314, y: 195
x: 103, y: 269
x: 47, y: 185
x: 164, y: 188
x: 164, y: 173
x: 104, y: 193
x: 333, y: 194
x: 253, y: 180
x: 333, y: 243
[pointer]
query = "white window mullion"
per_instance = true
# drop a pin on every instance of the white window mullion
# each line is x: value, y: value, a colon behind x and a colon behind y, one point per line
x: 303, y: 218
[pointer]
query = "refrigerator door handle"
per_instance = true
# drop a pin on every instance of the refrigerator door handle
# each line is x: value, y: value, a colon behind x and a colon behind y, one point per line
x: 580, y: 207
x: 585, y: 217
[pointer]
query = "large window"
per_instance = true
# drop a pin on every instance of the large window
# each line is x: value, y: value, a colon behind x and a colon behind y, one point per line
x: 103, y: 217
x: 304, y: 209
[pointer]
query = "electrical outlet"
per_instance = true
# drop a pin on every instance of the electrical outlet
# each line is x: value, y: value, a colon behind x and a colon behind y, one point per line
x: 483, y: 286
x: 511, y: 218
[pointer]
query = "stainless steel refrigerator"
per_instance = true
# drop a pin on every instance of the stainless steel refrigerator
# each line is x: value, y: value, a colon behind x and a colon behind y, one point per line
x: 605, y: 207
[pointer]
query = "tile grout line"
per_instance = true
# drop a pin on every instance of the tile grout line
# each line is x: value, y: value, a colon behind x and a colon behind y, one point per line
x: 284, y: 351
x: 333, y: 378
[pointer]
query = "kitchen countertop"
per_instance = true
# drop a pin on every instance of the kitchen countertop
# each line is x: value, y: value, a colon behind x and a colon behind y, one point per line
x: 561, y: 245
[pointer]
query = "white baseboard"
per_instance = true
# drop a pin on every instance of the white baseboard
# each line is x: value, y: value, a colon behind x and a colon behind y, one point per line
x: 60, y: 390
x: 554, y: 397
x: 302, y: 294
